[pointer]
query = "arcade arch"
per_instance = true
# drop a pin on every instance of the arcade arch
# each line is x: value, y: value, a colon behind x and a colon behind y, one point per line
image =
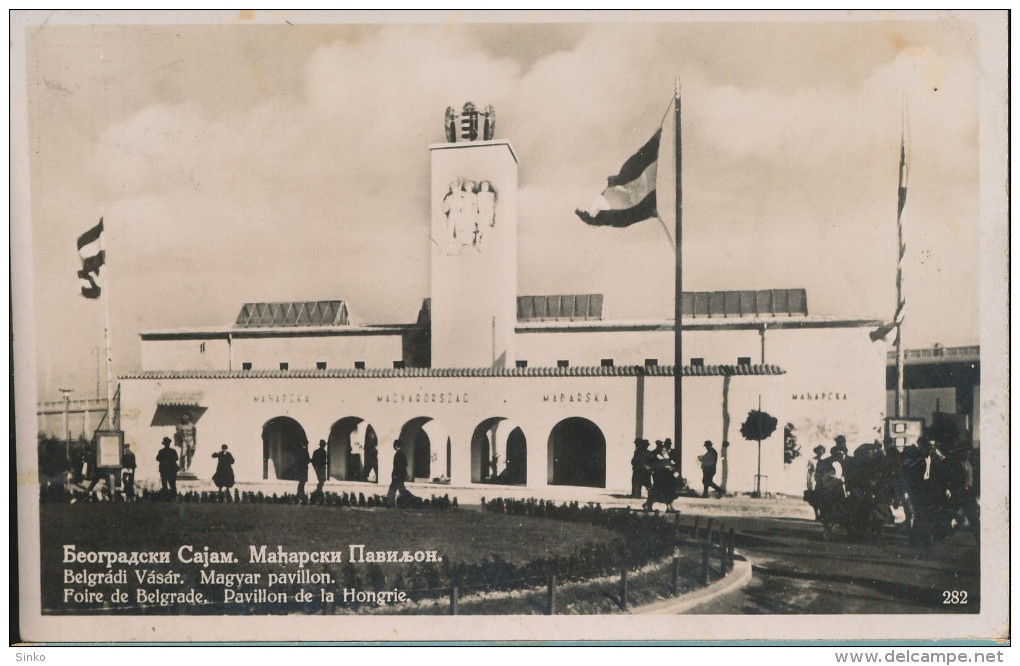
x: 499, y: 452
x: 577, y: 454
x: 426, y: 443
x: 352, y: 441
x: 284, y: 448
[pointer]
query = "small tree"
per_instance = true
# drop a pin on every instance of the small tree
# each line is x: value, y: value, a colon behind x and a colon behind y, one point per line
x: 758, y: 426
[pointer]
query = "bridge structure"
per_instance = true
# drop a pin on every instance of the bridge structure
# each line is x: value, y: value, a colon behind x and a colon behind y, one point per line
x: 939, y: 379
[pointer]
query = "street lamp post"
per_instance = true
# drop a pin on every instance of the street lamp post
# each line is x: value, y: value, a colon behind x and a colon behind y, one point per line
x: 67, y: 422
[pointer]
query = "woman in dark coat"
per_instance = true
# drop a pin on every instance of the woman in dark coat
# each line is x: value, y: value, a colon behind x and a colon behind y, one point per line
x: 665, y: 481
x: 224, y: 476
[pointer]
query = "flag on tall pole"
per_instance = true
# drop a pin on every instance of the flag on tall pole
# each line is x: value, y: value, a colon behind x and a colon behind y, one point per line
x: 630, y: 195
x: 93, y: 256
x: 901, y: 201
x: 649, y: 186
x: 92, y: 251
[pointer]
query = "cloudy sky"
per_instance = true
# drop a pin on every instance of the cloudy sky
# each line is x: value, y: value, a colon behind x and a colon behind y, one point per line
x: 275, y: 159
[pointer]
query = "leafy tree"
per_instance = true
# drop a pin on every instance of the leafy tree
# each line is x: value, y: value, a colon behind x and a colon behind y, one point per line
x: 758, y: 426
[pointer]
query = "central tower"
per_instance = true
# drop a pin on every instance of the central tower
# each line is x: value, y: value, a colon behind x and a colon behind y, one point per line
x: 474, y: 244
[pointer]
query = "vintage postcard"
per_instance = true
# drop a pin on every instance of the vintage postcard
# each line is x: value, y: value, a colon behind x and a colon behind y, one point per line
x: 485, y: 326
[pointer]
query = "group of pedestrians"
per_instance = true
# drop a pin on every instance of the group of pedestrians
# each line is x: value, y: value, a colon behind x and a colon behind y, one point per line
x: 935, y: 489
x: 319, y: 460
x: 656, y: 467
x: 168, y: 458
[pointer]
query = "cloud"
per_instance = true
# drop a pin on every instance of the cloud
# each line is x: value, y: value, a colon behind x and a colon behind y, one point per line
x: 308, y: 177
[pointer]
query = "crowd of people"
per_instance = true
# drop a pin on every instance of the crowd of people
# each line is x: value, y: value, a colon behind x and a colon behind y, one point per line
x: 934, y: 489
x: 656, y: 468
x: 170, y: 463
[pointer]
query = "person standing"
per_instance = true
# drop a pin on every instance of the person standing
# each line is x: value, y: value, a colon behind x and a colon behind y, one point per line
x: 640, y: 475
x: 371, y: 459
x: 128, y: 465
x: 319, y: 461
x: 811, y: 486
x: 922, y: 467
x: 398, y: 477
x: 665, y: 480
x: 709, y: 460
x: 224, y: 475
x: 167, y: 459
x: 301, y: 471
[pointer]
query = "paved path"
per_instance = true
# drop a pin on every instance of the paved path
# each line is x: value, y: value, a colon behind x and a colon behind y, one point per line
x: 729, y: 506
x: 792, y: 570
x: 795, y: 571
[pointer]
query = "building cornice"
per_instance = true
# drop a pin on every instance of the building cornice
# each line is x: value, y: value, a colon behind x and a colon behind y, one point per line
x: 397, y: 373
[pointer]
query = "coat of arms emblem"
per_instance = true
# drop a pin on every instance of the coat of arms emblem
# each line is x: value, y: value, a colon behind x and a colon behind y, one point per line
x: 470, y: 210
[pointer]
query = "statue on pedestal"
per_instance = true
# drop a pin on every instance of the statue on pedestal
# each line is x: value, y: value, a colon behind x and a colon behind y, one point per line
x: 186, y: 438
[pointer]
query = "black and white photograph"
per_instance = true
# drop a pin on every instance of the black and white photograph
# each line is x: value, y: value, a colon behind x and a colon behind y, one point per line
x: 331, y: 326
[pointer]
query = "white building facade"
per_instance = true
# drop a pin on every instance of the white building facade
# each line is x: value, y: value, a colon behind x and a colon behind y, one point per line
x: 485, y: 386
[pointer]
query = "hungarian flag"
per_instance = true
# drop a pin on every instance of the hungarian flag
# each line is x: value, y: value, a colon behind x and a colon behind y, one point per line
x: 93, y: 256
x: 629, y: 196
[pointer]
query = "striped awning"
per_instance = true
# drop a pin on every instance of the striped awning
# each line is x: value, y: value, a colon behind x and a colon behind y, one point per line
x: 180, y: 399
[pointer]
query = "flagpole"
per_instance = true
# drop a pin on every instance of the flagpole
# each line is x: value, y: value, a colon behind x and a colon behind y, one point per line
x: 677, y: 309
x: 106, y: 334
x: 901, y: 199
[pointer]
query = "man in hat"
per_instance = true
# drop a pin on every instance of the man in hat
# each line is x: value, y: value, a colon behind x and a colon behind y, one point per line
x: 319, y: 464
x: 709, y: 460
x: 128, y: 466
x: 398, y: 477
x: 300, y: 471
x: 810, y: 492
x: 224, y: 475
x: 841, y: 444
x: 167, y: 459
x: 674, y: 452
x: 640, y: 475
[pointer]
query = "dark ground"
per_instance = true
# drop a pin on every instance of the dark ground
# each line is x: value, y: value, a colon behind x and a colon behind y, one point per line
x: 795, y: 571
x: 459, y: 536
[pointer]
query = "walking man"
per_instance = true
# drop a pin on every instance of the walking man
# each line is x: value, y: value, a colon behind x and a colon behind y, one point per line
x: 398, y: 477
x: 128, y: 465
x: 167, y: 459
x: 709, y: 459
x: 301, y: 471
x: 319, y: 465
x: 811, y: 488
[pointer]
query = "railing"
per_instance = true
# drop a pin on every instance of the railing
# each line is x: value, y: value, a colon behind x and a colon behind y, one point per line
x: 938, y: 355
x: 699, y: 551
x: 73, y: 406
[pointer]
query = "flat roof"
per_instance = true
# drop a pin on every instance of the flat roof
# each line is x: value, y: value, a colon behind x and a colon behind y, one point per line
x: 623, y: 325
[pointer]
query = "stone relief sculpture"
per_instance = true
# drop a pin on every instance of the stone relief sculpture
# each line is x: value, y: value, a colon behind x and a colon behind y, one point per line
x: 470, y: 210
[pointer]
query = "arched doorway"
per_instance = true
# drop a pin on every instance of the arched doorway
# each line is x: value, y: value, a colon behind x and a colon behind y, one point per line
x: 352, y: 443
x: 284, y: 447
x: 577, y: 454
x: 499, y: 453
x: 426, y: 444
x: 516, y: 458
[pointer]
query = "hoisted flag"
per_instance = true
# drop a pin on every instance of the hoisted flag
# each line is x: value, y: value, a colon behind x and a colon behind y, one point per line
x: 630, y: 196
x: 885, y: 329
x: 93, y: 256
